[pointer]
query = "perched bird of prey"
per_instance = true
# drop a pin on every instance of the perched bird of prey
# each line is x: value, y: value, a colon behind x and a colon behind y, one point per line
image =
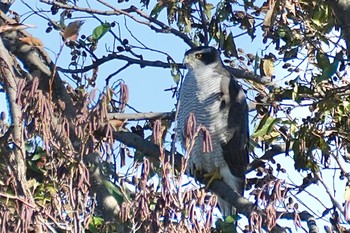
x: 218, y: 103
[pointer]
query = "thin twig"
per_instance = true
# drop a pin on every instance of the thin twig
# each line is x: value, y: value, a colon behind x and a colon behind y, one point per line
x: 329, y: 192
x: 117, y: 72
x: 162, y: 27
x: 5, y: 195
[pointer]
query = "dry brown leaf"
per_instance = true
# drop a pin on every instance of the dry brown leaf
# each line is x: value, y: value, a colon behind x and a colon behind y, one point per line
x: 32, y: 41
x: 267, y: 67
x: 290, y: 6
x: 269, y: 15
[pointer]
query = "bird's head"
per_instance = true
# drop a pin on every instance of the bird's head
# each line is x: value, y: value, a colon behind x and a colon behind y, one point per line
x: 202, y: 57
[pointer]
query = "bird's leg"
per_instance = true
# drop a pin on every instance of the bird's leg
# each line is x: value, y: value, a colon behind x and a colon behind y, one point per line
x: 210, y: 177
x: 197, y: 174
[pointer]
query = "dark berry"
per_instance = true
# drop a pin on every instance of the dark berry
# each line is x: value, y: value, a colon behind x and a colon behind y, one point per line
x: 48, y: 30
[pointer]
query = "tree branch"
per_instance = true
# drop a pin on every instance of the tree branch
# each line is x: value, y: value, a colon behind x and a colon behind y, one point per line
x: 247, y: 75
x: 142, y: 116
x: 238, y: 73
x: 38, y: 63
x: 304, y: 216
x: 152, y: 150
x: 132, y: 61
x: 11, y: 80
x: 267, y: 156
x: 329, y: 192
x: 148, y: 148
x: 243, y: 205
x: 109, y: 206
x: 163, y: 28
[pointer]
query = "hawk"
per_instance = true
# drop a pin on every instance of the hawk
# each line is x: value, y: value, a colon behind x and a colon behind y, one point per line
x: 218, y: 103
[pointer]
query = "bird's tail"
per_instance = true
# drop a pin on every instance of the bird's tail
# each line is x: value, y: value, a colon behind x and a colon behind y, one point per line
x: 226, y: 208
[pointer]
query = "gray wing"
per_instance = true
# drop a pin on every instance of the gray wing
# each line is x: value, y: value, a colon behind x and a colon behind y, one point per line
x: 235, y: 150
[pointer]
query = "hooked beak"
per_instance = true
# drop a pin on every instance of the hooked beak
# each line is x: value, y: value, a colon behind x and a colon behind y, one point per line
x: 185, y: 62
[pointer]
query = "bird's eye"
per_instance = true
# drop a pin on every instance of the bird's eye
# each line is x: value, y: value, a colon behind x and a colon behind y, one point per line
x: 198, y: 55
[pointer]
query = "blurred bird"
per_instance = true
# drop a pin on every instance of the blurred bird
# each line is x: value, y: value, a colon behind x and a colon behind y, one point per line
x: 71, y: 32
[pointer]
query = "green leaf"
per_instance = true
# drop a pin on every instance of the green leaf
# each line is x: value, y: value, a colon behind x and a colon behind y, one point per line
x: 98, y: 221
x: 346, y: 105
x: 176, y: 78
x: 266, y: 127
x: 230, y: 46
x: 230, y: 219
x: 32, y: 166
x: 174, y: 70
x: 207, y: 9
x: 61, y: 23
x: 262, y: 122
x: 29, y: 146
x: 322, y: 60
x: 37, y: 156
x: 52, y: 189
x: 323, y: 145
x: 224, y: 11
x: 213, y: 27
x: 95, y: 223
x: 228, y: 225
x: 271, y: 136
x: 100, y: 31
x: 320, y: 16
x: 281, y: 32
x: 152, y: 207
x: 329, y: 71
x: 293, y: 128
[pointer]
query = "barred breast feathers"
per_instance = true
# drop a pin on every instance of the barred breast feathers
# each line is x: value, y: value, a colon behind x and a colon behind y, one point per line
x: 205, y: 104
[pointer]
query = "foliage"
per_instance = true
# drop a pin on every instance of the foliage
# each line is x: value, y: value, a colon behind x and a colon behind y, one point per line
x: 66, y: 161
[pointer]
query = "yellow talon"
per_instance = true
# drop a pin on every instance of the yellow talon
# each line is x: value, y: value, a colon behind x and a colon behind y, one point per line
x: 210, y: 177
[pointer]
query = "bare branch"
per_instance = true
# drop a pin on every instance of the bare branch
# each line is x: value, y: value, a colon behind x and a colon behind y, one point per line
x: 142, y: 116
x: 238, y: 73
x: 163, y: 28
x: 133, y: 61
x: 152, y: 150
x: 275, y: 150
x: 148, y: 148
x: 247, y: 75
x: 328, y: 191
x: 9, y: 196
x: 116, y: 72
